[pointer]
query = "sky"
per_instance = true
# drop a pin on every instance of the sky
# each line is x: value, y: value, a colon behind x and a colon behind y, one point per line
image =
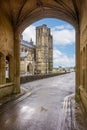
x: 63, y: 40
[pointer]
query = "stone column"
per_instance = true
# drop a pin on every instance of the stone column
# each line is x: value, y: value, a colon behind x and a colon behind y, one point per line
x: 16, y: 62
x: 77, y: 60
x: 83, y: 68
x: 3, y: 69
x: 0, y: 70
x: 11, y: 66
x: 86, y: 69
x: 81, y: 73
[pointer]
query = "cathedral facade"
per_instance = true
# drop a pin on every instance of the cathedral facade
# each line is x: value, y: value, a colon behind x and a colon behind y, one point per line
x: 27, y: 57
x: 37, y: 59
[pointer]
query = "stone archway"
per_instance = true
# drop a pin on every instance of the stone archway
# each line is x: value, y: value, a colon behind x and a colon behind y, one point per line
x: 24, y: 13
x: 17, y: 15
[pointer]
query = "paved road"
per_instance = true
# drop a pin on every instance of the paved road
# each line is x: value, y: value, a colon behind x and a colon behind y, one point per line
x: 42, y: 110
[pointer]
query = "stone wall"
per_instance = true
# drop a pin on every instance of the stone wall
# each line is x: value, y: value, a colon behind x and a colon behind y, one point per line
x: 6, y: 50
x: 83, y: 54
x: 6, y: 36
x: 25, y: 79
x: 6, y: 89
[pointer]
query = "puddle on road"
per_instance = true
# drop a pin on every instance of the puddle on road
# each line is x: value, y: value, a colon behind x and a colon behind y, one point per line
x: 66, y: 122
x: 43, y: 109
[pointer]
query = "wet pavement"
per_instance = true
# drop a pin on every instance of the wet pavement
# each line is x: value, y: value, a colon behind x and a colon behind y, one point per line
x: 47, y: 108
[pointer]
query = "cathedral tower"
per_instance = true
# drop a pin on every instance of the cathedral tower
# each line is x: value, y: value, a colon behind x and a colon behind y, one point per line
x: 44, y: 50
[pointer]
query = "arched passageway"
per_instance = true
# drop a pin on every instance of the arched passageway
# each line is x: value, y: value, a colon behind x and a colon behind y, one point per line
x: 15, y: 16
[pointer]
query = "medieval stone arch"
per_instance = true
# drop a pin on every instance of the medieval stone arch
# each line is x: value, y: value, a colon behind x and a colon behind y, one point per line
x: 16, y: 15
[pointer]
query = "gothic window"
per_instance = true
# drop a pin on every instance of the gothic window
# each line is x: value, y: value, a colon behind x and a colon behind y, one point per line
x: 7, y: 67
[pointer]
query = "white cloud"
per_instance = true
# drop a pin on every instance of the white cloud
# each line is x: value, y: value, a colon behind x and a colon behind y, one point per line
x: 29, y: 33
x: 60, y: 59
x: 58, y: 28
x: 63, y: 35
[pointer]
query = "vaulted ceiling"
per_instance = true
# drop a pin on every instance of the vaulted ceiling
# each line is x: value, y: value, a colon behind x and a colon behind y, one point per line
x: 22, y: 13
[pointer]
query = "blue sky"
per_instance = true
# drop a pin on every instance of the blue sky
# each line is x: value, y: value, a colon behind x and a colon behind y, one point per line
x: 63, y: 40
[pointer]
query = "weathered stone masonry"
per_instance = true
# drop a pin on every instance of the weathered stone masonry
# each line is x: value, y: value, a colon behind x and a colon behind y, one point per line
x: 16, y: 15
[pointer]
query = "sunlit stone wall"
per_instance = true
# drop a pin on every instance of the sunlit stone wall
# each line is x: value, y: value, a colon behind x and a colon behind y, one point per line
x: 83, y: 53
x: 6, y: 51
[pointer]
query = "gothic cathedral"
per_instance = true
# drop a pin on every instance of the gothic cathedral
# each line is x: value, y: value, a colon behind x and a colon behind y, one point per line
x: 44, y: 50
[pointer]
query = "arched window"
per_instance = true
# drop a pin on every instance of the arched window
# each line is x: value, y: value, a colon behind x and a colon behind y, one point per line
x: 9, y: 69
